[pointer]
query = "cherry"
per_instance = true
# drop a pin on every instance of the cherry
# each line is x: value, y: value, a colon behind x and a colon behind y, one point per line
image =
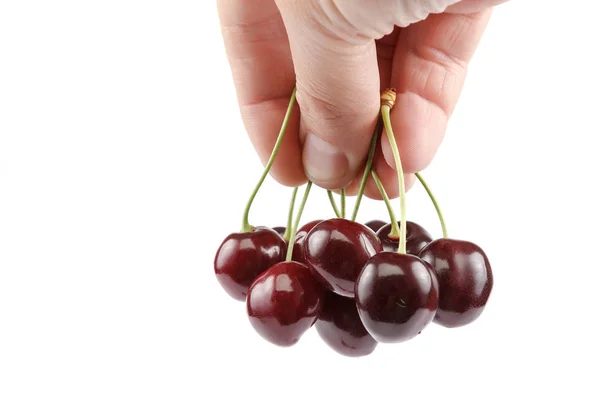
x: 336, y: 250
x: 416, y: 238
x: 284, y: 302
x: 465, y: 279
x: 375, y: 224
x: 279, y: 229
x: 298, y: 254
x: 396, y: 296
x: 243, y: 256
x: 341, y: 328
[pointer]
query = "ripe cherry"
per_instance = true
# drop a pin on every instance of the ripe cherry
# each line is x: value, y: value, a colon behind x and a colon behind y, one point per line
x: 341, y: 328
x: 284, y: 302
x: 416, y: 238
x: 298, y: 254
x: 375, y: 224
x: 396, y: 296
x: 465, y: 279
x: 243, y: 256
x: 336, y: 250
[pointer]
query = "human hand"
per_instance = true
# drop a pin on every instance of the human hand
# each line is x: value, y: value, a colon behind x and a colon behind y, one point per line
x: 340, y: 55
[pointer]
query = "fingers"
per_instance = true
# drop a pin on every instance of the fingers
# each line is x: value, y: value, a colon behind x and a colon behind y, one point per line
x: 338, y: 82
x: 385, y: 48
x: 338, y: 90
x: 263, y: 73
x: 429, y: 70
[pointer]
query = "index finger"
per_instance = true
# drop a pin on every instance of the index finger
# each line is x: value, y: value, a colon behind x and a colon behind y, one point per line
x: 261, y: 64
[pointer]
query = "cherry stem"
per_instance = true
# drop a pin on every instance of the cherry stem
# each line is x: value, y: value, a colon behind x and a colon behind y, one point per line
x: 368, y: 167
x: 246, y: 227
x: 288, y: 228
x: 435, y: 204
x: 333, y: 205
x: 343, y: 201
x: 388, y: 98
x: 394, y: 234
x: 290, y: 249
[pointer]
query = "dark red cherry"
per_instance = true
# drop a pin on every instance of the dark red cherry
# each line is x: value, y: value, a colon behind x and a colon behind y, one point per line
x: 284, y: 302
x: 298, y: 254
x: 243, y: 256
x: 396, y: 296
x: 416, y: 238
x: 341, y: 328
x: 465, y: 279
x: 336, y: 250
x: 280, y: 230
x: 375, y: 224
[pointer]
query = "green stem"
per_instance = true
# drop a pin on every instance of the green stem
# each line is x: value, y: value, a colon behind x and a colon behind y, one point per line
x: 368, y: 167
x: 290, y: 248
x: 343, y: 207
x: 385, y: 114
x: 246, y: 227
x: 435, y: 204
x: 288, y: 228
x: 394, y: 233
x: 333, y: 205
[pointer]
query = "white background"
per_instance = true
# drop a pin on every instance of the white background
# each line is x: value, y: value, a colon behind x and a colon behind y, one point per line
x: 124, y: 163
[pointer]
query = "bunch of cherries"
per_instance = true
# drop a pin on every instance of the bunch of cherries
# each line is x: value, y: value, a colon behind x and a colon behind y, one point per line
x: 360, y: 285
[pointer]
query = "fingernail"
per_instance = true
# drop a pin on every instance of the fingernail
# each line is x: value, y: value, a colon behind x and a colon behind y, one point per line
x: 323, y: 163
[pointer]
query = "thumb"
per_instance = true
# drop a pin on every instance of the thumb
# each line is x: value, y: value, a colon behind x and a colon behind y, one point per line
x: 337, y: 81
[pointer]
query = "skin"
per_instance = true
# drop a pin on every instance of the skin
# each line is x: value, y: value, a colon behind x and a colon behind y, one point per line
x: 340, y: 55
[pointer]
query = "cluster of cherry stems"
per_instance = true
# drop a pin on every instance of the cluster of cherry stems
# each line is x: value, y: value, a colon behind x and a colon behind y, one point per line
x: 360, y: 285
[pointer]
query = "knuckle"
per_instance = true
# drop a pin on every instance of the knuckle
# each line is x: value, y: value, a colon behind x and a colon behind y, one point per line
x: 326, y: 106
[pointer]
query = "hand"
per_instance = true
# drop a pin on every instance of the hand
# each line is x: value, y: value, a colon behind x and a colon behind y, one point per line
x: 340, y: 55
